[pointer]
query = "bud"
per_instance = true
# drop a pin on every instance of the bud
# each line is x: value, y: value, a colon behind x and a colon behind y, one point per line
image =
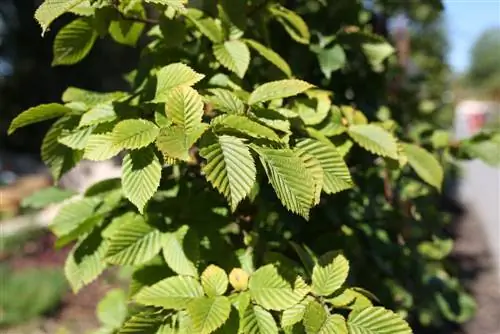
x: 239, y: 279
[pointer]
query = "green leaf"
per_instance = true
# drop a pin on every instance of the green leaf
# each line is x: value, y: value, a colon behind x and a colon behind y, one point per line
x: 171, y: 293
x: 135, y: 242
x: 225, y: 101
x: 90, y: 98
x: 293, y: 184
x: 214, y: 281
x: 270, y: 290
x: 86, y: 261
x: 374, y: 139
x: 336, y: 173
x: 37, y: 114
x: 98, y: 114
x: 59, y: 158
x: 134, y: 133
x: 424, y: 164
x: 100, y: 147
x: 45, y: 197
x: 145, y: 322
x: 112, y: 309
x: 271, y: 56
x: 76, y: 139
x: 184, y: 107
x: 331, y: 60
x: 318, y: 321
x: 180, y: 251
x: 257, y: 320
x: 74, y: 42
x: 243, y: 125
x: 293, y: 23
x: 375, y: 320
x: 126, y: 32
x: 295, y: 314
x: 278, y: 90
x: 141, y: 174
x: 207, y: 26
x: 50, y: 10
x: 234, y: 55
x: 329, y: 273
x: 314, y: 168
x: 178, y: 5
x: 172, y: 76
x: 175, y: 142
x: 208, y: 314
x: 73, y: 214
x: 230, y: 168
x: 377, y: 52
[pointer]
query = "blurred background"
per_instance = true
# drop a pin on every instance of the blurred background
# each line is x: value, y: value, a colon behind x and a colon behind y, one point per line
x: 457, y: 50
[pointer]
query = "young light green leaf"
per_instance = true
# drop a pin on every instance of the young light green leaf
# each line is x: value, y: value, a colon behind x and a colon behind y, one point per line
x: 134, y: 133
x: 50, y: 10
x: 180, y: 251
x: 293, y: 23
x: 424, y: 164
x: 234, y: 55
x: 126, y: 32
x: 278, y: 90
x: 112, y: 309
x: 72, y: 214
x: 271, y: 56
x: 98, y: 114
x: 141, y: 174
x: 375, y: 320
x: 374, y: 139
x: 230, y: 168
x: 257, y: 320
x: 270, y: 290
x: 135, y: 242
x: 172, y: 76
x: 225, y: 101
x: 214, y: 281
x: 295, y: 314
x: 37, y: 114
x: 291, y: 180
x: 76, y: 139
x: 175, y: 142
x: 208, y: 314
x: 47, y: 196
x: 86, y: 261
x: 184, y: 107
x: 336, y: 173
x: 244, y: 125
x: 100, y: 147
x: 207, y: 26
x: 376, y: 53
x: 74, y: 42
x: 171, y: 293
x: 90, y: 98
x: 329, y: 273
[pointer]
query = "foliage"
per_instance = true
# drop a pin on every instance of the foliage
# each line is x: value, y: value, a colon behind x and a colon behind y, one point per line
x: 29, y: 293
x: 236, y: 172
x: 484, y: 68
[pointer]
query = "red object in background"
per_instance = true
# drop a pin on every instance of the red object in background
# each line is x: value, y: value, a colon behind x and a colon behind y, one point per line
x: 475, y: 121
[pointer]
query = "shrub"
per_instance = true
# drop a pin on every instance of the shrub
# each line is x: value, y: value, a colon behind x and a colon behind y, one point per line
x: 245, y: 191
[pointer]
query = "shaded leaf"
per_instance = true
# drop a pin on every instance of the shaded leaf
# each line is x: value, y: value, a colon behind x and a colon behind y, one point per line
x: 293, y: 23
x: 424, y: 164
x: 271, y: 56
x: 45, y: 197
x: 257, y: 320
x: 180, y: 251
x: 141, y: 174
x: 73, y: 42
x: 175, y: 141
x: 243, y: 125
x: 37, y: 114
x: 134, y: 133
x: 208, y: 314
